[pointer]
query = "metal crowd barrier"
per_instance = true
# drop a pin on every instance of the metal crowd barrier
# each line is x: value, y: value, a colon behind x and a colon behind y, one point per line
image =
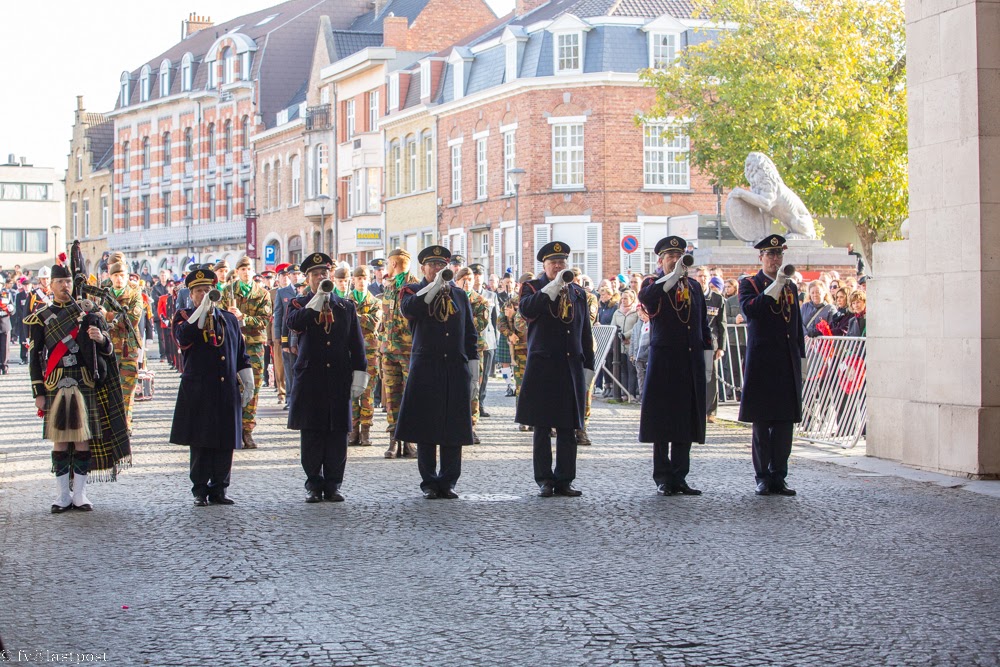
x: 834, y: 394
x: 729, y: 369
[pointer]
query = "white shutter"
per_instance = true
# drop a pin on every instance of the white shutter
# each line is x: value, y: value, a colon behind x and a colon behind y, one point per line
x: 593, y: 264
x: 446, y: 241
x: 497, y: 252
x: 463, y: 247
x: 542, y: 235
x: 631, y: 262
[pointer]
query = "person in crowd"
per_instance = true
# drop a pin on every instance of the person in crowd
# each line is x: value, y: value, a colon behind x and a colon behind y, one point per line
x: 436, y: 410
x: 463, y: 280
x: 217, y: 382
x: 505, y: 321
x: 816, y: 309
x: 6, y: 311
x: 330, y: 373
x: 592, y: 307
x: 157, y: 292
x: 369, y: 310
x: 396, y: 344
x: 859, y: 308
x: 673, y: 406
x: 378, y: 275
x: 840, y: 315
x: 488, y: 336
x: 287, y: 339
x: 559, y: 371
x: 639, y: 350
x: 772, y: 386
x: 624, y: 320
x: 715, y: 306
x: 74, y: 381
x: 608, y: 299
x: 635, y: 282
x: 124, y: 330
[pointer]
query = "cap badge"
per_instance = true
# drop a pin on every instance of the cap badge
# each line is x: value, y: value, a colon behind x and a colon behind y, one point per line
x: 557, y: 248
x: 774, y: 242
x: 317, y: 258
x: 437, y: 251
x: 673, y: 242
x: 199, y: 275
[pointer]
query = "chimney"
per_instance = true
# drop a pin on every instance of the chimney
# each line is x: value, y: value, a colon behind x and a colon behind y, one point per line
x: 24, y: 162
x: 11, y: 160
x: 395, y: 31
x: 193, y: 24
x: 79, y: 102
x: 522, y: 7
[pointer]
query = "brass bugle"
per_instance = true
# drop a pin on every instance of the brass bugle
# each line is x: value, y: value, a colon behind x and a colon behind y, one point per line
x: 326, y: 286
x: 214, y: 295
x: 567, y: 276
x: 788, y: 270
x: 447, y: 275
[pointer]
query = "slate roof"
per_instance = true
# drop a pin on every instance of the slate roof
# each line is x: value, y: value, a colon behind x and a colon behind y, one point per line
x: 101, y: 138
x: 372, y: 21
x: 283, y: 58
x: 347, y: 42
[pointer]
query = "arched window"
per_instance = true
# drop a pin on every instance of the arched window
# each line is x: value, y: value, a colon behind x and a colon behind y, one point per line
x: 397, y: 167
x: 123, y: 96
x: 429, y: 165
x: 411, y: 164
x: 227, y: 137
x: 145, y: 153
x: 166, y: 149
x: 277, y: 184
x: 245, y: 125
x: 211, y: 139
x: 144, y: 83
x: 188, y: 144
x: 322, y: 173
x: 267, y: 187
x: 295, y: 249
x: 164, y: 78
x: 296, y: 179
x: 126, y: 158
x: 79, y: 164
x: 187, y: 80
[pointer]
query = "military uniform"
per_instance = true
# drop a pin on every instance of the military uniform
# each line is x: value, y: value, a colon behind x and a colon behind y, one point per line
x: 593, y: 305
x: 673, y: 398
x: 124, y: 336
x: 554, y: 393
x: 715, y: 305
x: 772, y: 384
x: 273, y: 343
x: 207, y: 415
x: 255, y: 303
x: 481, y: 309
x: 436, y: 406
x: 330, y: 359
x: 282, y: 297
x: 395, y: 352
x: 369, y: 310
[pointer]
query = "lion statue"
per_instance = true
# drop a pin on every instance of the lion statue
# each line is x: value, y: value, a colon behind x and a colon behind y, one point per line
x: 749, y: 212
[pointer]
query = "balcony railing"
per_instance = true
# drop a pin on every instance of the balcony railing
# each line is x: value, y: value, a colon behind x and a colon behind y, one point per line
x: 318, y: 118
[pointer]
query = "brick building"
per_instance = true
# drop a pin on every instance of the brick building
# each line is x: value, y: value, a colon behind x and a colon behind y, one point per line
x: 184, y: 171
x: 553, y: 90
x: 88, y: 184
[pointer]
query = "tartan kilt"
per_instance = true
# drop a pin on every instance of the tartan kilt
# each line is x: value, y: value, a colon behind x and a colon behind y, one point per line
x: 89, y: 399
x: 503, y: 350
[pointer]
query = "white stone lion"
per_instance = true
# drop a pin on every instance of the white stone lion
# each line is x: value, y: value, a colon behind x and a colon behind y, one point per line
x: 749, y: 212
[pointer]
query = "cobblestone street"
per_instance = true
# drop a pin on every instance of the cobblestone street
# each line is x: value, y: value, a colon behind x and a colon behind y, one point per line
x: 858, y: 569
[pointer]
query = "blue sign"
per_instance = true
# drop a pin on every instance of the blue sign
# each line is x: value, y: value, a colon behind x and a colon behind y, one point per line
x: 630, y: 244
x: 270, y: 254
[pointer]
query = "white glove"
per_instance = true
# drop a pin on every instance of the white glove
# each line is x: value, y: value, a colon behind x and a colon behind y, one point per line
x: 318, y: 301
x: 668, y: 280
x: 246, y: 379
x: 588, y: 379
x: 554, y: 287
x: 774, y: 289
x: 430, y: 290
x: 474, y: 379
x: 359, y: 380
x: 201, y: 312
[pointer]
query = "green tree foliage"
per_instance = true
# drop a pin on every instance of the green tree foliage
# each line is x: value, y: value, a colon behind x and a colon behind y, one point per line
x: 818, y: 85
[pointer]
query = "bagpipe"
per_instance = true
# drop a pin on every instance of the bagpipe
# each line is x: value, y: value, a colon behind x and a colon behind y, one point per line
x: 91, y: 316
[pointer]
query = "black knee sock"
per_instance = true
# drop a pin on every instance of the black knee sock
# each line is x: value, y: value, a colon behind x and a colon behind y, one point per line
x: 81, y: 461
x: 60, y: 463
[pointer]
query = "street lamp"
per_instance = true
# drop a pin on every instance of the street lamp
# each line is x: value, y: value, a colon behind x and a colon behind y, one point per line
x: 55, y: 242
x: 323, y: 201
x: 515, y: 175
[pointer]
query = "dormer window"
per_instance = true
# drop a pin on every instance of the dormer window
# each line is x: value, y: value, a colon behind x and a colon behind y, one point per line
x: 164, y: 78
x: 664, y: 51
x: 568, y: 44
x: 394, y: 91
x: 514, y: 38
x: 229, y: 62
x: 123, y: 95
x: 144, y: 83
x: 186, y: 73
x: 245, y: 66
x: 425, y: 79
x: 460, y: 60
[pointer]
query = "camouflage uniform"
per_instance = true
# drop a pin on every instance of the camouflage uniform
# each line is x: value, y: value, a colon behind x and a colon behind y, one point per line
x: 370, y: 317
x: 519, y: 350
x: 481, y: 318
x: 256, y: 309
x: 124, y: 336
x: 395, y: 350
x: 593, y: 304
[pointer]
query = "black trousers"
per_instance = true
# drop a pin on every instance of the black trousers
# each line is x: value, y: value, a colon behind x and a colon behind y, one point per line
x: 161, y: 340
x: 267, y: 362
x: 210, y: 470
x: 4, y: 349
x: 324, y: 457
x: 565, y: 470
x: 451, y: 466
x: 772, y: 445
x: 486, y: 367
x: 671, y: 463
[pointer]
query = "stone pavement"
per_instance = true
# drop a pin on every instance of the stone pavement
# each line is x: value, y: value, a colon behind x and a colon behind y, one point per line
x: 858, y: 569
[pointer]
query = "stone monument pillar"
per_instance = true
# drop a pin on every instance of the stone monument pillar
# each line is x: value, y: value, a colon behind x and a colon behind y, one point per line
x: 934, y: 305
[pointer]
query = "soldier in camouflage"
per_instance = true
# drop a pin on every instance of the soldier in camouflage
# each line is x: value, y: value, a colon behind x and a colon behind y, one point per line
x: 124, y: 332
x: 395, y: 349
x: 592, y: 305
x: 515, y: 327
x: 251, y: 304
x: 481, y: 319
x: 369, y: 309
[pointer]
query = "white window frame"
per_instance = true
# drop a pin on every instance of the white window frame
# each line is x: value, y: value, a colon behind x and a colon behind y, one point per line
x: 144, y: 84
x: 394, y: 91
x: 509, y: 160
x: 296, y: 179
x: 74, y: 220
x: 429, y: 166
x: 123, y: 92
x: 655, y: 46
x: 456, y: 174
x: 373, y: 110
x: 482, y: 166
x: 359, y: 191
x: 661, y: 167
x: 165, y: 78
x: 349, y: 115
x: 397, y: 167
x: 105, y: 212
x: 229, y: 64
x: 569, y: 154
x: 425, y: 79
x: 245, y: 65
x: 187, y: 80
x: 350, y: 196
x: 211, y: 203
x: 412, y: 164
x: 86, y: 217
x: 565, y: 61
x: 373, y: 185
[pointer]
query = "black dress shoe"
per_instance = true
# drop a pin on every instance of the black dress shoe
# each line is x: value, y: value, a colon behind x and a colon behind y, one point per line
x: 431, y: 494
x: 546, y: 490
x: 568, y: 491
x: 315, y: 496
x: 762, y: 489
x: 334, y: 496
x: 86, y: 507
x: 664, y: 490
x: 686, y: 490
x: 448, y: 494
x: 220, y: 499
x: 483, y: 413
x: 200, y: 501
x: 782, y: 490
x: 59, y: 509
